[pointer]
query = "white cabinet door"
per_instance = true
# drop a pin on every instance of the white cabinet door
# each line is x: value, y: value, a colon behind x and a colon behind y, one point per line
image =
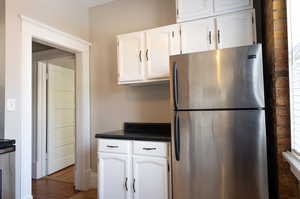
x: 131, y: 57
x: 161, y: 43
x: 113, y: 177
x: 150, y: 178
x: 61, y: 118
x: 193, y: 9
x: 197, y: 36
x: 231, y: 5
x: 236, y: 29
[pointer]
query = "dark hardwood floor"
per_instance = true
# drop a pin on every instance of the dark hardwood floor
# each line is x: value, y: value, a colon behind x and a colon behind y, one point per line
x: 59, y: 185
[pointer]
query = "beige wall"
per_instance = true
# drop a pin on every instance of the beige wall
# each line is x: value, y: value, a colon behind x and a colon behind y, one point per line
x: 2, y: 66
x: 113, y: 104
x: 67, y: 15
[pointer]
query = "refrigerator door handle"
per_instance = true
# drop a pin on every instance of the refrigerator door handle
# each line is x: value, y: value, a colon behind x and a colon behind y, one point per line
x: 175, y: 85
x: 177, y: 136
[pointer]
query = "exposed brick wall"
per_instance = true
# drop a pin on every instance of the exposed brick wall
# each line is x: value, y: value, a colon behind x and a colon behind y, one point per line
x: 276, y: 63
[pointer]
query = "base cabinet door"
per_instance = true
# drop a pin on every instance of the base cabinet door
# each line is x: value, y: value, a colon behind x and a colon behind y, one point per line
x: 236, y: 29
x: 198, y: 36
x: 150, y: 178
x: 113, y: 176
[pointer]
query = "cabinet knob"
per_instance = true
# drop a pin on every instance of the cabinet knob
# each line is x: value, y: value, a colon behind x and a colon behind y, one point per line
x: 147, y: 54
x: 140, y: 56
x: 149, y: 149
x: 111, y: 146
x: 133, y: 185
x: 126, y: 187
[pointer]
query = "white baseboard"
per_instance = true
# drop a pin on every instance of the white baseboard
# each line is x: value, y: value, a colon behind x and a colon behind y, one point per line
x: 27, y: 197
x: 93, y: 180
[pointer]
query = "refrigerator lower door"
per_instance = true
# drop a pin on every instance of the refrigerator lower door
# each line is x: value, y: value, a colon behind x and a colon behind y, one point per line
x: 220, y: 155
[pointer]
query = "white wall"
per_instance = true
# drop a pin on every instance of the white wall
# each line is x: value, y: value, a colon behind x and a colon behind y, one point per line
x: 113, y: 104
x: 67, y: 15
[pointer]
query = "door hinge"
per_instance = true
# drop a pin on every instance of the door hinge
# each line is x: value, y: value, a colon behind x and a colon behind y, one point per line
x: 47, y: 76
x: 177, y: 11
x: 168, y: 167
x: 252, y: 19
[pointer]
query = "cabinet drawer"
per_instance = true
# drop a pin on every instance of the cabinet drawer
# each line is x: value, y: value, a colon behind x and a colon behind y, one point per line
x: 113, y: 146
x: 150, y: 148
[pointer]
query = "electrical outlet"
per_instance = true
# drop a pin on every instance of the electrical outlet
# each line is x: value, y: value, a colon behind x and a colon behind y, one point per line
x: 11, y: 105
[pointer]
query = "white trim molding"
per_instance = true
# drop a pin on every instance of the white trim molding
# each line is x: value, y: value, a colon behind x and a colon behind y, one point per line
x: 94, y: 180
x: 294, y: 162
x: 34, y: 30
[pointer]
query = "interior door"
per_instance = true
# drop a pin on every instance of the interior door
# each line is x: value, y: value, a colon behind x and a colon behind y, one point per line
x: 236, y: 29
x: 219, y: 154
x: 193, y: 9
x: 113, y: 176
x: 61, y: 118
x: 227, y: 5
x: 198, y: 36
x: 131, y: 59
x: 223, y: 79
x: 150, y: 178
x: 161, y: 43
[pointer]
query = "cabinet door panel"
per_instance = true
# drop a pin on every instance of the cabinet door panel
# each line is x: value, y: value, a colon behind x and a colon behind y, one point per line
x: 130, y: 57
x: 236, y: 29
x: 228, y: 5
x: 197, y: 36
x: 161, y: 43
x: 193, y: 9
x: 150, y: 178
x: 113, y: 174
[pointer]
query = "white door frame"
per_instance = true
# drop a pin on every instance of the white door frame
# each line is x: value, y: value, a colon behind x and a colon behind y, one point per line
x: 32, y: 29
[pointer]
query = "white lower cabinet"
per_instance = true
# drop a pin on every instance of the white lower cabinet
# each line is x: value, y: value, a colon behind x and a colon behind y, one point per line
x: 150, y: 178
x: 138, y: 173
x: 114, y: 176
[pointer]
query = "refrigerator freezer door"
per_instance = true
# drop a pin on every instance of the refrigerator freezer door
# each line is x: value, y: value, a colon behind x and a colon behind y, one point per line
x: 223, y: 79
x: 222, y: 155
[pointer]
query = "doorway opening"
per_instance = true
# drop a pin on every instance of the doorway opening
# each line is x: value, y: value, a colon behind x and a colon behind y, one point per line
x: 53, y: 119
x: 33, y: 30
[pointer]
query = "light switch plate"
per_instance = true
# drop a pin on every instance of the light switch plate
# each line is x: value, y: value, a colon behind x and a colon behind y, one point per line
x: 11, y: 105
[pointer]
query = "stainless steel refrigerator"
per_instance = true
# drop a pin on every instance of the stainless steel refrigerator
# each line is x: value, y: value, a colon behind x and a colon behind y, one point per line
x: 219, y: 131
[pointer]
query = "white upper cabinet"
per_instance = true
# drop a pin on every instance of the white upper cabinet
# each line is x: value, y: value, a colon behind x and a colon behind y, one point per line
x: 188, y: 10
x: 144, y: 56
x: 198, y: 36
x: 150, y: 178
x: 231, y: 5
x: 114, y: 177
x: 236, y: 29
x: 131, y: 57
x: 161, y: 43
x: 193, y: 9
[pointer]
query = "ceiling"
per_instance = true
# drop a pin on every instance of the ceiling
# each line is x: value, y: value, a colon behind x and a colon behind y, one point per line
x: 92, y: 3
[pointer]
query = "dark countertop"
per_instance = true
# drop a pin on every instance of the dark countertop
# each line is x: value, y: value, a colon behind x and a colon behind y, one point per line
x: 140, y: 131
x: 7, y: 146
